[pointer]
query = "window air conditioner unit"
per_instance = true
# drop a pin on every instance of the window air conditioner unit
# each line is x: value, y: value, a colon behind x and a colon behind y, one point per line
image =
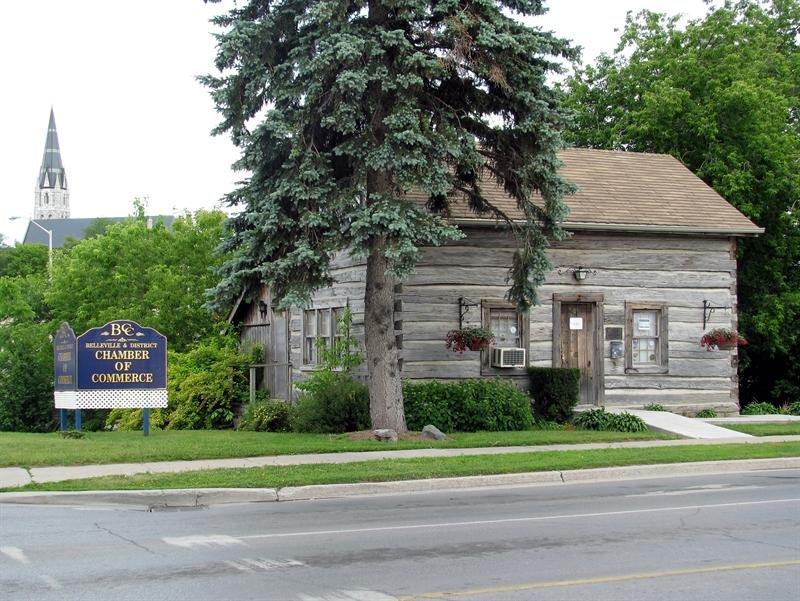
x: 508, y: 357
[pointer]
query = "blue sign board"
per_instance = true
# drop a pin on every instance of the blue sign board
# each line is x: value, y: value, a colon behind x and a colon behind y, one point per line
x: 64, y: 358
x: 122, y: 355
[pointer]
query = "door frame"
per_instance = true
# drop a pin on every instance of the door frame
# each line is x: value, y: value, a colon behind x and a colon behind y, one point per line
x: 596, y: 300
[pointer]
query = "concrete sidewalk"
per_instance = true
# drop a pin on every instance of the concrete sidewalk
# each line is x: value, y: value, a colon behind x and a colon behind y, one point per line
x: 688, y: 427
x: 14, y: 476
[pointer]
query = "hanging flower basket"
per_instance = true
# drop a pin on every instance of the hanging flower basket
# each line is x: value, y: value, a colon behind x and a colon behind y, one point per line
x: 472, y: 339
x: 722, y: 339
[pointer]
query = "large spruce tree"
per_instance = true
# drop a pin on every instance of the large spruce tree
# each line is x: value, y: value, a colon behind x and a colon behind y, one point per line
x: 341, y: 107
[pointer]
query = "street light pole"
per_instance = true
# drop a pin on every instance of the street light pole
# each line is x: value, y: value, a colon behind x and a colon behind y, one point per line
x: 49, y: 246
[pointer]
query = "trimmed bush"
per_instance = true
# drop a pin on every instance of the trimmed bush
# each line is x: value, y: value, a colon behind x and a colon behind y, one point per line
x: 555, y: 392
x: 654, y: 407
x: 266, y: 415
x: 467, y: 405
x: 760, y: 409
x: 794, y: 408
x: 332, y: 403
x: 707, y: 413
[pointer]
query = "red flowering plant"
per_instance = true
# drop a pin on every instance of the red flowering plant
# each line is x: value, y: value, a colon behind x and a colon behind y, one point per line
x: 722, y: 338
x: 473, y: 339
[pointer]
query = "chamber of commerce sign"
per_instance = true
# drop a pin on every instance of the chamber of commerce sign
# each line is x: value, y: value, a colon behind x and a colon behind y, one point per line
x: 122, y: 355
x: 120, y: 364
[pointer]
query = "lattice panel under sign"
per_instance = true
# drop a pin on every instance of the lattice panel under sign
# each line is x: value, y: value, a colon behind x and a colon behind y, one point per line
x: 111, y: 399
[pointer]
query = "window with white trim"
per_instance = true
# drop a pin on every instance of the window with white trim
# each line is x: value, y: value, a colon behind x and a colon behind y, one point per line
x: 646, y: 338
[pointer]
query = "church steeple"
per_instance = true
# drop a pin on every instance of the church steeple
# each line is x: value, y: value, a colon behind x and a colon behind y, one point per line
x: 52, y: 194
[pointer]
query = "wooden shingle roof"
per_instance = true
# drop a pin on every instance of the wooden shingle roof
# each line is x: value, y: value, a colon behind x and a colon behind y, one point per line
x: 630, y: 191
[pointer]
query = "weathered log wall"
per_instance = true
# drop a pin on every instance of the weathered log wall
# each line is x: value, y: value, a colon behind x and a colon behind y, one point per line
x: 681, y: 271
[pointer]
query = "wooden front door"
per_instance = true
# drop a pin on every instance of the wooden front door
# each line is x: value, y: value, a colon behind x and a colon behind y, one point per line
x: 579, y: 347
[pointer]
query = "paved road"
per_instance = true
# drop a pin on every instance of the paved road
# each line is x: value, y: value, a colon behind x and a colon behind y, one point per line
x: 726, y: 537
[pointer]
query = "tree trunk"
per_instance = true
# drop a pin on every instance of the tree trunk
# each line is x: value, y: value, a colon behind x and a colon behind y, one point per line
x: 383, y: 366
x: 385, y: 391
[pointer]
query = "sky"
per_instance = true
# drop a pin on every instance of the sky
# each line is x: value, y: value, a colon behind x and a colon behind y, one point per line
x: 132, y: 120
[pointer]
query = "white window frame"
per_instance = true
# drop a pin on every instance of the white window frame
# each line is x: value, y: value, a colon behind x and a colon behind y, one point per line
x: 661, y: 365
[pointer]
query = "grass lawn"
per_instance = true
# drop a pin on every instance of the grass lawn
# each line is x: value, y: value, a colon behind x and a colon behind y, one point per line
x: 440, y: 467
x: 772, y: 429
x: 32, y: 450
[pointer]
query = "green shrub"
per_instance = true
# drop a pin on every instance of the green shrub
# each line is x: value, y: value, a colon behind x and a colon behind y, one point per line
x: 126, y: 420
x: 654, y: 407
x: 707, y: 412
x: 542, y: 424
x: 760, y: 409
x: 332, y: 402
x: 266, y: 415
x: 626, y: 422
x: 593, y: 419
x: 206, y: 384
x: 600, y: 419
x: 793, y: 408
x: 26, y: 375
x: 467, y: 405
x: 75, y: 434
x: 555, y: 392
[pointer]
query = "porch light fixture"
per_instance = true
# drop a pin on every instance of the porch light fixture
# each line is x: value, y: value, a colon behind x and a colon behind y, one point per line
x: 263, y: 309
x: 580, y: 272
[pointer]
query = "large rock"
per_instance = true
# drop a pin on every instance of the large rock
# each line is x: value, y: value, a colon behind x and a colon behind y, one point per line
x: 385, y: 434
x: 431, y: 432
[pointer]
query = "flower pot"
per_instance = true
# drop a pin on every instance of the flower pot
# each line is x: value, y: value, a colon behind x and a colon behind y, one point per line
x: 477, y: 345
x: 726, y: 346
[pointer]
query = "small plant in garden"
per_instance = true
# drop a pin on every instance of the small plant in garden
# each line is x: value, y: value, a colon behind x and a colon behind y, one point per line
x: 793, y: 408
x: 600, y: 419
x: 72, y: 434
x: 543, y: 424
x: 722, y: 338
x: 654, y: 407
x: 344, y: 353
x: 707, y: 413
x: 473, y: 339
x: 266, y: 415
x: 593, y: 419
x: 332, y: 401
x: 760, y: 409
x: 626, y: 422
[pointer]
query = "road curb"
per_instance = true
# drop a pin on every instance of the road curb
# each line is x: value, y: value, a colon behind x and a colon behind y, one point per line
x: 154, y: 499
x: 151, y: 499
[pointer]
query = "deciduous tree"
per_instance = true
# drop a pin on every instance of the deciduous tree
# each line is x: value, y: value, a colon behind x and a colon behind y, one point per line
x: 721, y: 94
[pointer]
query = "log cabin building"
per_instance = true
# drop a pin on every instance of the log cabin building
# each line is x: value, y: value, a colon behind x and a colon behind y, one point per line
x: 649, y: 266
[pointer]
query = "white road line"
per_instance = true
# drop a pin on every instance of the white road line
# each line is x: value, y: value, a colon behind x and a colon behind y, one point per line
x: 514, y: 520
x: 188, y: 542
x: 357, y: 595
x: 51, y: 582
x: 15, y: 553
